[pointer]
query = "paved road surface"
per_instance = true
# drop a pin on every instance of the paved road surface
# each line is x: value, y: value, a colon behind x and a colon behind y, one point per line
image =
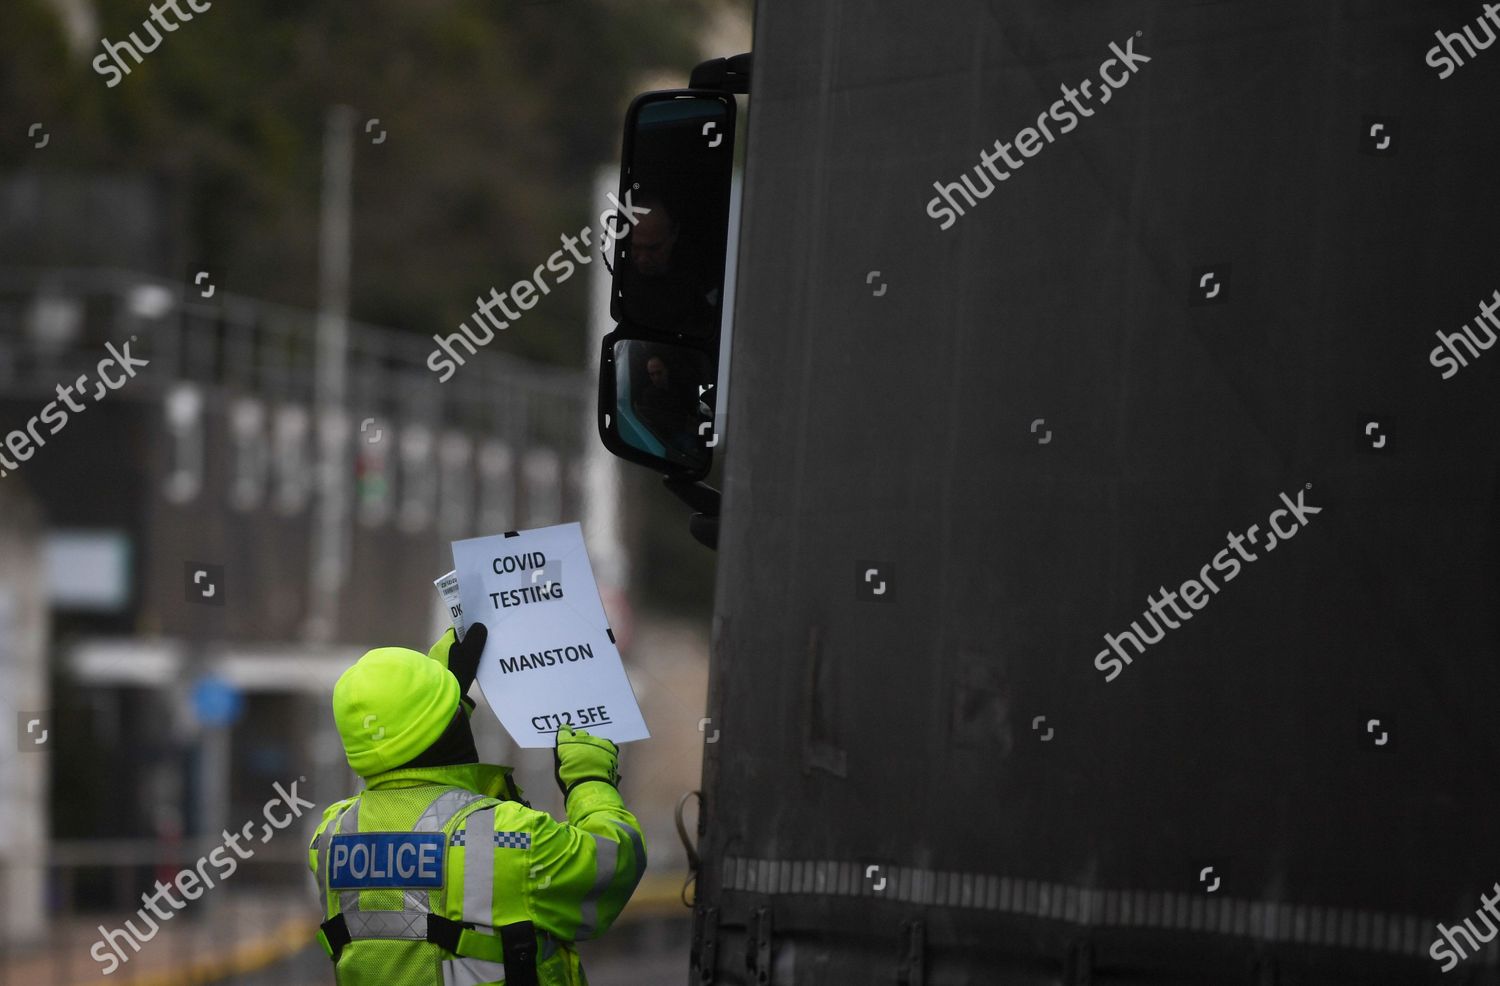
x: 653, y: 955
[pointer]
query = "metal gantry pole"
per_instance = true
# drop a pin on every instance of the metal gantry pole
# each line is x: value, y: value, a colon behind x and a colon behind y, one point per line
x: 331, y: 538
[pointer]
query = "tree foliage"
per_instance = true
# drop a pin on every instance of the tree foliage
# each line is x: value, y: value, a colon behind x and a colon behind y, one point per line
x: 497, y: 114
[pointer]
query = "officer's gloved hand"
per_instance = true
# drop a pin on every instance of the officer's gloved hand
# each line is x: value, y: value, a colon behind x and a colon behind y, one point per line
x: 580, y: 757
x: 461, y: 657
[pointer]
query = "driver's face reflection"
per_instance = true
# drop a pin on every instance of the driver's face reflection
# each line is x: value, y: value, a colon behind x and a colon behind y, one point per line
x: 651, y: 243
x: 657, y: 371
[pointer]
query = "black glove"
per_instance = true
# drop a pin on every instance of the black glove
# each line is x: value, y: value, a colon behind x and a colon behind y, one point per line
x: 461, y: 657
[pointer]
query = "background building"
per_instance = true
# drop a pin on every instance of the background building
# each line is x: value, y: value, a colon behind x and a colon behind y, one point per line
x: 188, y: 564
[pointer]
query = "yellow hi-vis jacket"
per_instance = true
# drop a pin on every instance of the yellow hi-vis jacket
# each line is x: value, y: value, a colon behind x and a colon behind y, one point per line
x: 442, y: 876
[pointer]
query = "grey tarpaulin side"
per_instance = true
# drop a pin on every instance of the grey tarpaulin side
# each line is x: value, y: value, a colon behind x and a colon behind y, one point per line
x: 890, y: 422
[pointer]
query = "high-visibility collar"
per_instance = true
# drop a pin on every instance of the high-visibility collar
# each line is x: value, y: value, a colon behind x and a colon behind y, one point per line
x: 491, y: 780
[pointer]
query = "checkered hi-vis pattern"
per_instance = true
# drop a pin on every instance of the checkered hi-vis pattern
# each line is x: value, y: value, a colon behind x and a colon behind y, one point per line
x: 504, y: 840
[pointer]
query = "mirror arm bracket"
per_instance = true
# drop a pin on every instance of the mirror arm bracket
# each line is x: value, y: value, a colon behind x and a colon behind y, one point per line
x: 703, y: 500
x: 730, y: 74
x: 698, y: 495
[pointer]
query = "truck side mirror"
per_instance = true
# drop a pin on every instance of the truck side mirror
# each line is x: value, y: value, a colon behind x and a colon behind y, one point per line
x: 656, y: 404
x: 670, y: 232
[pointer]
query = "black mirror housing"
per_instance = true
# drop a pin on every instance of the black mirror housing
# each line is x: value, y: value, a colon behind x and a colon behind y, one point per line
x: 659, y: 367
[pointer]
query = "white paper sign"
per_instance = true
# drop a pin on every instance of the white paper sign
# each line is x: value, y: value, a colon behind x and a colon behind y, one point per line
x: 549, y: 660
x: 447, y: 587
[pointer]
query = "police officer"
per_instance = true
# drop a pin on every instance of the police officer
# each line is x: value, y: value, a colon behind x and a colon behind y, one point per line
x: 438, y: 872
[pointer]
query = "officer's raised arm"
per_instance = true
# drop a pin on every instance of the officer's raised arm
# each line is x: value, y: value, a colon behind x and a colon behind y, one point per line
x: 584, y: 871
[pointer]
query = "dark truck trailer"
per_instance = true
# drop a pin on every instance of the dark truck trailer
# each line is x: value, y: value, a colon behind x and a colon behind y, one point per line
x: 970, y: 458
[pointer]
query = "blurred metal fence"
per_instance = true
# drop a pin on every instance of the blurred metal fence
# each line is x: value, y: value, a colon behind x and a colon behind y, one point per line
x: 54, y: 323
x: 233, y: 413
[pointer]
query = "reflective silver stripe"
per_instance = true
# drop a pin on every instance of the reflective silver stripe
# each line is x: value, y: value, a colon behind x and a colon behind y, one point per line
x: 1257, y: 920
x: 443, y: 808
x: 412, y: 902
x: 386, y: 924
x: 349, y: 824
x: 638, y: 846
x: 323, y: 842
x: 607, y: 852
x: 472, y: 972
x: 479, y: 866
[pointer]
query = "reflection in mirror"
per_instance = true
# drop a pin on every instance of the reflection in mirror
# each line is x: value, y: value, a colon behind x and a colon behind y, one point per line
x: 666, y: 284
x: 671, y: 265
x: 658, y: 409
